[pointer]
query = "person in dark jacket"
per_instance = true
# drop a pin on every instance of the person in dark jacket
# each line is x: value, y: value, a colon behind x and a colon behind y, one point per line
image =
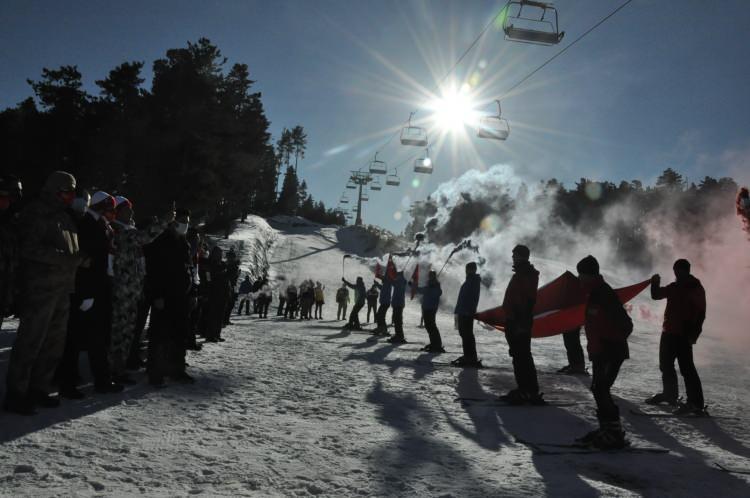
x: 683, y: 322
x: 91, y: 316
x: 168, y: 283
x: 386, y: 292
x: 233, y: 274
x: 607, y: 328
x: 372, y: 301
x: 48, y: 242
x: 466, y: 308
x: 518, y: 305
x: 291, y: 302
x: 219, y: 293
x: 246, y: 288
x: 430, y: 303
x: 359, y: 303
x: 342, y: 298
x: 398, y: 302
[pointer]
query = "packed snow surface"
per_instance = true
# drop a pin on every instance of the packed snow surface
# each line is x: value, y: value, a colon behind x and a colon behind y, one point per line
x: 303, y: 408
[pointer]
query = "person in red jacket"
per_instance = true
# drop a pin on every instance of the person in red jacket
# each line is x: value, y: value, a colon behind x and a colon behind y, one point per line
x: 518, y: 304
x: 607, y: 329
x: 683, y: 322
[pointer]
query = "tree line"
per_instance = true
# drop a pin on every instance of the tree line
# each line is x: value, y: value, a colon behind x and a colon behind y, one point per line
x: 199, y: 137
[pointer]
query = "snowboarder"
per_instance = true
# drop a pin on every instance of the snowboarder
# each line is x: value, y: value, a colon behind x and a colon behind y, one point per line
x: 168, y: 284
x: 398, y: 301
x: 359, y: 302
x: 342, y: 298
x: 607, y: 329
x: 319, y: 300
x: 372, y: 301
x: 246, y: 286
x: 576, y: 360
x: 466, y: 308
x: 49, y: 253
x: 683, y: 323
x: 129, y: 276
x: 518, y: 304
x: 92, y: 312
x: 430, y: 303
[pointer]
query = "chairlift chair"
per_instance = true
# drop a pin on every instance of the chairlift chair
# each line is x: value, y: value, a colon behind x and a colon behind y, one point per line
x: 344, y: 199
x: 376, y: 185
x: 378, y: 167
x: 494, y: 127
x: 423, y: 164
x: 365, y: 197
x: 413, y: 135
x: 538, y: 24
x: 393, y: 180
x: 350, y: 185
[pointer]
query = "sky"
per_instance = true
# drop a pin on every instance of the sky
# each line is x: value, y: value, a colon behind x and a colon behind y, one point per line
x: 661, y: 84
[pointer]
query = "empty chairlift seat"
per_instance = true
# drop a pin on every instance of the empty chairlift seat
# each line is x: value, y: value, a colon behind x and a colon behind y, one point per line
x: 413, y: 135
x: 423, y: 164
x: 530, y: 21
x: 365, y: 197
x: 494, y: 127
x: 393, y: 180
x: 344, y: 199
x: 350, y: 185
x: 376, y: 185
x: 378, y: 167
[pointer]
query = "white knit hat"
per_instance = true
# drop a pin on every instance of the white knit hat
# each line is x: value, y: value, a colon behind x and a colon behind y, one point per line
x: 100, y: 196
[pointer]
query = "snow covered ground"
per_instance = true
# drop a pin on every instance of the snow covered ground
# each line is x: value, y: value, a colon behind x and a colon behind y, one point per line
x: 303, y: 409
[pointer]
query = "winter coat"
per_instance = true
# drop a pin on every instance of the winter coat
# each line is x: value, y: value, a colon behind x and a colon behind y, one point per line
x: 246, y: 287
x: 386, y: 290
x: 359, y: 292
x: 168, y: 267
x: 430, y: 296
x: 686, y: 307
x: 607, y: 323
x: 520, y: 297
x: 319, y: 296
x: 291, y: 292
x: 468, y: 296
x: 48, y: 242
x: 95, y: 237
x: 372, y: 296
x: 399, y: 292
x: 342, y: 295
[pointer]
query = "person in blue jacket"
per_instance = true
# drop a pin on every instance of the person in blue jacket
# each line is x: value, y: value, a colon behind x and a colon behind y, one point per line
x: 398, y: 301
x: 430, y: 303
x: 386, y: 290
x: 466, y: 308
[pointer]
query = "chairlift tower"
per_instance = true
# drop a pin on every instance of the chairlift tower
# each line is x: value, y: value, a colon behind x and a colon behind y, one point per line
x: 361, y: 179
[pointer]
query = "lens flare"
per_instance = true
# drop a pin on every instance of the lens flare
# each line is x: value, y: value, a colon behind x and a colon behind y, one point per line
x: 397, y: 215
x: 454, y: 110
x: 415, y: 183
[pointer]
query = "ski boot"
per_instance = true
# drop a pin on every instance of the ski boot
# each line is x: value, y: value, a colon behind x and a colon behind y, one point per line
x: 660, y: 398
x: 396, y: 339
x: 463, y: 362
x: 691, y: 409
x: 433, y: 349
x: 588, y: 439
x: 518, y: 397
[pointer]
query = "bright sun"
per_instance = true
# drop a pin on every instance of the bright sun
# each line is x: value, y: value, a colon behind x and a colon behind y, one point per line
x: 454, y: 110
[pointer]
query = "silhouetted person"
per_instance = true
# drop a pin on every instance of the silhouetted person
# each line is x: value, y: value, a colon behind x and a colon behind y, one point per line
x: 430, y: 303
x: 372, y: 301
x: 342, y: 298
x: 359, y: 302
x: 398, y: 302
x: 683, y: 323
x: 518, y: 305
x: 386, y: 292
x: 319, y: 300
x: 219, y: 294
x: 246, y: 286
x: 574, y: 351
x: 10, y: 194
x: 607, y: 329
x: 466, y: 308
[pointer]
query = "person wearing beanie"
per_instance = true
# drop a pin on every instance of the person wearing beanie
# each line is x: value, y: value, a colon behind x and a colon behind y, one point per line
x: 91, y: 316
x: 607, y: 329
x: 466, y: 308
x: 683, y: 323
x: 127, y: 287
x: 518, y: 304
x: 169, y: 281
x: 49, y: 256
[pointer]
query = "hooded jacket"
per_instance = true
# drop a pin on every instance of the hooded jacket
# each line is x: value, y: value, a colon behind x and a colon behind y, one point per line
x: 468, y: 296
x: 399, y: 292
x: 607, y: 323
x: 686, y: 307
x: 520, y: 296
x: 431, y: 296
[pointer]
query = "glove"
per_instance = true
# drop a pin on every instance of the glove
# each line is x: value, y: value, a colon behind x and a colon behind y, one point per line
x: 87, y: 304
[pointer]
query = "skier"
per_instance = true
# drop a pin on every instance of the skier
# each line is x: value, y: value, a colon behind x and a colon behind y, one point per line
x: 372, y: 301
x: 168, y: 284
x: 48, y: 243
x: 245, y: 288
x: 683, y: 322
x: 219, y: 293
x: 398, y: 301
x: 129, y: 276
x: 607, y: 329
x: 359, y: 302
x: 91, y: 315
x: 319, y: 300
x: 291, y: 302
x: 430, y: 303
x: 10, y: 193
x: 576, y: 361
x: 386, y: 290
x: 466, y: 308
x: 518, y: 304
x: 342, y: 298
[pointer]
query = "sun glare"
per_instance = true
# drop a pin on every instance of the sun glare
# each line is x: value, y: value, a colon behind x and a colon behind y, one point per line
x: 454, y: 110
